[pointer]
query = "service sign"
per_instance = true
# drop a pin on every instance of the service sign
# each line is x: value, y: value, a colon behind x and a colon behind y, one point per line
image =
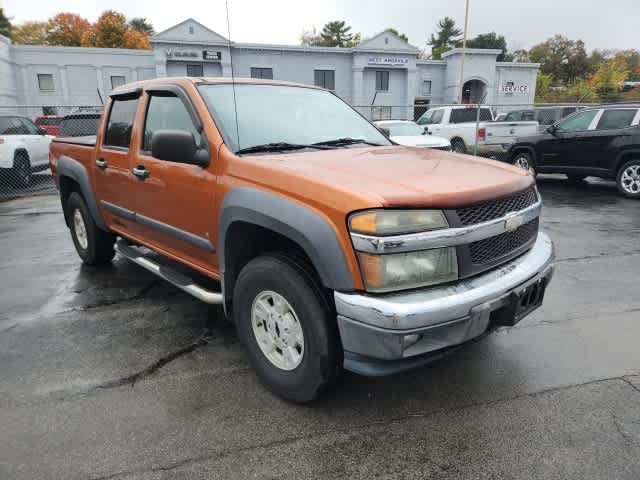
x: 510, y: 88
x: 375, y: 60
x: 211, y: 55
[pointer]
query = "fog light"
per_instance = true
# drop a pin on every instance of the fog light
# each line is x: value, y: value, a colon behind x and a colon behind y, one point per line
x: 411, y: 339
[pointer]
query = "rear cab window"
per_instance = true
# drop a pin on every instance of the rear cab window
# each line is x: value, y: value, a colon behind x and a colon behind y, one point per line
x: 616, y: 118
x: 120, y: 124
x: 467, y: 115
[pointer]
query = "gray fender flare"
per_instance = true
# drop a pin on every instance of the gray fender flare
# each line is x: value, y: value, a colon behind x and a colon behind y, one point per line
x: 299, y: 224
x: 68, y: 167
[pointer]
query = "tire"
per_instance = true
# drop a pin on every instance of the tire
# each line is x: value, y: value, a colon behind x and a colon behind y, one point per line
x: 576, y: 178
x: 458, y: 146
x: 525, y: 161
x: 628, y: 179
x: 22, y: 169
x: 94, y: 246
x: 314, y: 364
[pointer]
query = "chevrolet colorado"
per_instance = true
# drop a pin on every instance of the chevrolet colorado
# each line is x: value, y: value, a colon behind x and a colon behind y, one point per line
x: 333, y: 247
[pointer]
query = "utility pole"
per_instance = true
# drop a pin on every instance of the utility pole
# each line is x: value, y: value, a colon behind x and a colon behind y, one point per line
x: 464, y: 46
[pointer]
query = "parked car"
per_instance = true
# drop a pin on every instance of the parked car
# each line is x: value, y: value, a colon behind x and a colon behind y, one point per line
x: 24, y: 148
x: 79, y: 124
x: 333, y: 247
x: 545, y: 116
x: 457, y: 123
x: 51, y: 123
x: 410, y: 134
x: 598, y: 141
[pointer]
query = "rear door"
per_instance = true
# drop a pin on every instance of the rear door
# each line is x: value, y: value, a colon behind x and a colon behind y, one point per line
x: 175, y: 201
x: 609, y: 135
x: 112, y: 168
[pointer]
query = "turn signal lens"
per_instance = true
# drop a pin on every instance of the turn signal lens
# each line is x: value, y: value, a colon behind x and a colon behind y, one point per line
x: 396, y: 222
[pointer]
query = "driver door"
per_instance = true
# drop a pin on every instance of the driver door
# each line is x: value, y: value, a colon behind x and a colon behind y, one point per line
x: 566, y: 146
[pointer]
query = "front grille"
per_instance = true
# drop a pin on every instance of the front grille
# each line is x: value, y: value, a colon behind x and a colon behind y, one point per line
x: 496, y: 208
x: 494, y: 248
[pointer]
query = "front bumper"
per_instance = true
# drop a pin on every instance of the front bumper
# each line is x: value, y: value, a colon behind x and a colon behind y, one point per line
x: 374, y: 328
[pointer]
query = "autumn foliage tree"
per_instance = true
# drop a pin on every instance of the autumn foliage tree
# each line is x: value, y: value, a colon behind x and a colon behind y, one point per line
x: 30, y: 33
x: 66, y: 29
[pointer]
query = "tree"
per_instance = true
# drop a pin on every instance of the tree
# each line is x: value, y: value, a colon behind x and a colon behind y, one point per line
x: 135, y: 39
x: 141, y: 25
x: 543, y: 86
x: 490, y: 40
x: 398, y: 34
x: 66, y: 29
x: 521, y: 56
x: 608, y: 79
x: 108, y: 31
x: 336, y: 34
x: 446, y: 37
x: 565, y: 59
x: 30, y: 33
x: 5, y: 24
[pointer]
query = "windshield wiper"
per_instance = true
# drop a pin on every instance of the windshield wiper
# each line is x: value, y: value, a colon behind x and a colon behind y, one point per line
x: 279, y: 147
x: 339, y: 142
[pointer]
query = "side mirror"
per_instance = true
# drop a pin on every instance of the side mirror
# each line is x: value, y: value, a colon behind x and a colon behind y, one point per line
x: 178, y: 146
x: 41, y: 131
x: 385, y: 131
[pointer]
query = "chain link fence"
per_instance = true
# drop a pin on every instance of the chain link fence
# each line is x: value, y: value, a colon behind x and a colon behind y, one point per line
x: 25, y: 134
x: 487, y: 131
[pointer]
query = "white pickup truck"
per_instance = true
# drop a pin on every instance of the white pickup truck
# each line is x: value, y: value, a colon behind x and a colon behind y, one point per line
x: 458, y: 124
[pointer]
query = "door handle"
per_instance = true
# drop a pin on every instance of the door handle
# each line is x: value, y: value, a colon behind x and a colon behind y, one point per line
x: 102, y: 164
x: 141, y: 172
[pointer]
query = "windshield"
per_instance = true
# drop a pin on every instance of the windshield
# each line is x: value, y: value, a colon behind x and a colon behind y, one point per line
x: 403, y: 129
x: 277, y: 114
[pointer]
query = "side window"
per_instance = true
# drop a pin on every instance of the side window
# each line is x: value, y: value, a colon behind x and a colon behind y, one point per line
x: 437, y: 116
x: 578, y: 122
x: 167, y: 113
x: 30, y: 127
x: 616, y: 118
x: 512, y: 117
x: 120, y: 124
x: 485, y: 115
x: 425, y: 119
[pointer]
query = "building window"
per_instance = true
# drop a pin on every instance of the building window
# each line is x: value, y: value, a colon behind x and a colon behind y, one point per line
x: 194, y: 70
x: 426, y: 88
x: 190, y: 29
x: 117, y: 81
x: 382, y: 81
x: 266, y: 73
x: 325, y: 79
x: 45, y: 82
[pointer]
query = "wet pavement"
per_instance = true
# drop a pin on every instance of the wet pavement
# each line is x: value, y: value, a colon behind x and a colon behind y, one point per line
x: 111, y: 373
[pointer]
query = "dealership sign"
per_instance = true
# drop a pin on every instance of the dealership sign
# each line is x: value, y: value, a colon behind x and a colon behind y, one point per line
x: 509, y: 88
x: 193, y: 54
x: 388, y: 60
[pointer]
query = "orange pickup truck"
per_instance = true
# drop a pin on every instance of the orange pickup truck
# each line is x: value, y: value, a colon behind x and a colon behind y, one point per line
x: 328, y: 246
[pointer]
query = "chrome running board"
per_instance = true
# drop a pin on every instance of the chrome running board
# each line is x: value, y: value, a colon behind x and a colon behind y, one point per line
x: 174, y: 277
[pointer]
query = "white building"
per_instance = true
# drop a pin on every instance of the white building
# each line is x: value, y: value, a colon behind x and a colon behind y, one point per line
x: 382, y: 76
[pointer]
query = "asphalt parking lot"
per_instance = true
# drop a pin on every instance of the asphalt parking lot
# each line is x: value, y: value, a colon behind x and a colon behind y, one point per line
x: 114, y: 374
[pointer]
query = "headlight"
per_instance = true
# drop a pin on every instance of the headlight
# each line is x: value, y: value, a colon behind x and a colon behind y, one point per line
x: 396, y: 222
x: 399, y: 271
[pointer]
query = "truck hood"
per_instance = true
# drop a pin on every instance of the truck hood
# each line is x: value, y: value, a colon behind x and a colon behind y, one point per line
x: 429, y: 141
x: 397, y: 176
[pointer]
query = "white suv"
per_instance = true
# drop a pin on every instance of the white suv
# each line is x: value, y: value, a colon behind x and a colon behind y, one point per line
x: 24, y: 148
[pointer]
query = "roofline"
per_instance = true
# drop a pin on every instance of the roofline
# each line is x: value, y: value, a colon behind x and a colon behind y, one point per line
x: 116, y: 51
x: 190, y: 19
x: 518, y: 64
x: 472, y: 51
x: 388, y: 31
x: 431, y: 62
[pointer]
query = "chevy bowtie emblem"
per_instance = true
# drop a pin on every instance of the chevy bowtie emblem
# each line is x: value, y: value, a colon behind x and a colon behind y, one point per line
x: 513, y: 221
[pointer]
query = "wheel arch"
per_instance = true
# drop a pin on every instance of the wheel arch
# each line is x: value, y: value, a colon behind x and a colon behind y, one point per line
x: 524, y: 148
x: 624, y: 156
x: 253, y: 221
x: 73, y: 176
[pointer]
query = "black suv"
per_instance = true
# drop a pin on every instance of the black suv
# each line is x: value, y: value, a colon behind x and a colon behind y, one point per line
x: 597, y: 141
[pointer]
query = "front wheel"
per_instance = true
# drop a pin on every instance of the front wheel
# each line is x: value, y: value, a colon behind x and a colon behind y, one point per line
x: 94, y: 246
x: 525, y: 161
x: 628, y: 179
x: 286, y: 326
x: 458, y: 145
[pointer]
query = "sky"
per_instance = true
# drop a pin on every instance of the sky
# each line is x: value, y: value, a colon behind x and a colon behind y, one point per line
x: 604, y: 25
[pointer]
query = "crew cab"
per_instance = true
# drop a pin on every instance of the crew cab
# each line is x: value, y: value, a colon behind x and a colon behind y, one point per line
x: 597, y: 141
x: 333, y: 248
x: 24, y: 149
x: 458, y: 124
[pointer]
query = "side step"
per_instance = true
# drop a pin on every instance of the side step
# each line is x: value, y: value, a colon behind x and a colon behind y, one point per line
x: 176, y: 278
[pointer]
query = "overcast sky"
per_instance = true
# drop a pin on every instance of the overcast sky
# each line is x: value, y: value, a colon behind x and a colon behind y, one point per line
x: 612, y: 24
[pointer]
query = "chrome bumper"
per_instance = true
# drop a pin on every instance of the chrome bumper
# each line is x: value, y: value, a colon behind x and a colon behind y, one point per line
x: 376, y: 326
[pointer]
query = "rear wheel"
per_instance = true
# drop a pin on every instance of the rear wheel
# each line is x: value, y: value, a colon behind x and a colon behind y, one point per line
x: 458, y: 145
x: 525, y: 161
x: 94, y: 246
x: 287, y: 328
x: 628, y: 179
x: 22, y: 169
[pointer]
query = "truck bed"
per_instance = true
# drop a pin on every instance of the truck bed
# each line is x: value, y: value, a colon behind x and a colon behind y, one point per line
x: 80, y: 149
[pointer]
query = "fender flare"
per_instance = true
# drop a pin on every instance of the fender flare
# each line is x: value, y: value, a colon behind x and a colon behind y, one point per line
x: 70, y: 168
x: 528, y: 148
x: 299, y: 224
x: 623, y: 153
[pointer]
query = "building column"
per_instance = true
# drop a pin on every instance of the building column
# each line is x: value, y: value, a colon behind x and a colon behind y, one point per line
x: 357, y: 91
x: 412, y: 91
x: 62, y: 71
